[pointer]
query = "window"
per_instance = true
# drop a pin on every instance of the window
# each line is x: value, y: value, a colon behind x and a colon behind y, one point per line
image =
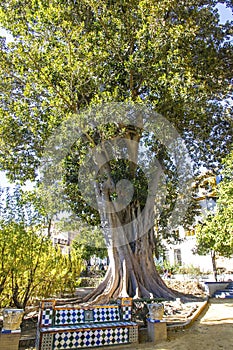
x: 177, y: 256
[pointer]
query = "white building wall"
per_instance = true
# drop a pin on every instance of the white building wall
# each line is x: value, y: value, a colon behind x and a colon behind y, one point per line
x: 186, y: 253
x: 187, y: 256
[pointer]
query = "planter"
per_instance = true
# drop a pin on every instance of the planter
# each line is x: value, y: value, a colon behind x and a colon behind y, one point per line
x: 12, y: 319
x: 156, y: 311
x: 212, y: 287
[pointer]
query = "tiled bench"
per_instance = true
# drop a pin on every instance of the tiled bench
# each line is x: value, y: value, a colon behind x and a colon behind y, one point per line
x: 77, y: 327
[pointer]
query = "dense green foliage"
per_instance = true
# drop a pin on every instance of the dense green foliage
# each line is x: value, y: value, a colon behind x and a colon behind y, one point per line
x: 31, y: 267
x: 90, y: 243
x: 67, y: 55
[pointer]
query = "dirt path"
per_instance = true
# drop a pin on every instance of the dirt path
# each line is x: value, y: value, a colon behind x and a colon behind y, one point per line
x: 212, y: 331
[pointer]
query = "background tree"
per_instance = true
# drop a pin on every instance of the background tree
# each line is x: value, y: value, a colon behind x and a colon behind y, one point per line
x: 88, y: 248
x: 67, y: 56
x: 215, y: 233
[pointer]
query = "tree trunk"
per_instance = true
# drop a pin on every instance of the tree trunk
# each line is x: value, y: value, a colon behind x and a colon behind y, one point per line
x: 213, y: 258
x: 132, y: 270
x: 131, y: 273
x: 128, y: 226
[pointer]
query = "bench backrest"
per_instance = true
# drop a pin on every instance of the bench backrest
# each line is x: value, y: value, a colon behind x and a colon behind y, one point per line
x: 51, y: 315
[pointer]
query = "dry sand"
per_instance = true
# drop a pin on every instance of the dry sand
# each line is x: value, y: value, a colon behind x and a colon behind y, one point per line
x: 213, y: 330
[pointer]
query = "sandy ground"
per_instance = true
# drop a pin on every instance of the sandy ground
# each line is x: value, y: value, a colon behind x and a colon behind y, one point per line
x: 213, y: 330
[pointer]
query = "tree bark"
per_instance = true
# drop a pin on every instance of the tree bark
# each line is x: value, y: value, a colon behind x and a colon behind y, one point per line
x: 131, y: 274
x: 129, y: 234
x: 132, y: 270
x: 213, y: 258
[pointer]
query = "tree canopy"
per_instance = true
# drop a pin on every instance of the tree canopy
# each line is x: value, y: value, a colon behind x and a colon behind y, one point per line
x: 67, y: 55
x: 215, y: 233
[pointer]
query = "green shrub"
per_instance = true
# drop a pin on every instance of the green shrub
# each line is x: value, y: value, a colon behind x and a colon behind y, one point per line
x: 31, y: 267
x: 89, y: 281
x: 165, y: 265
x: 190, y: 270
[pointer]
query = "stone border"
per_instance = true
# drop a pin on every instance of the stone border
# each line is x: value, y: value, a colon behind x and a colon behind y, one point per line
x: 190, y: 321
x: 212, y: 287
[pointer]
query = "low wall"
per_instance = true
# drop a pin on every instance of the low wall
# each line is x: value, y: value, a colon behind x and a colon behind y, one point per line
x: 212, y: 287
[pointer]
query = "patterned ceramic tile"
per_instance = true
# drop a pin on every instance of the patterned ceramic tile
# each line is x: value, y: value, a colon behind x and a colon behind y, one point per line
x: 90, y: 338
x: 133, y: 334
x: 106, y: 314
x: 126, y: 312
x: 72, y: 316
x: 47, y: 342
x: 88, y: 325
x: 89, y: 315
x: 48, y: 304
x: 47, y: 317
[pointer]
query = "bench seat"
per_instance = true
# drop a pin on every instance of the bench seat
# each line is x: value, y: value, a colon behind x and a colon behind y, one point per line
x: 86, y: 326
x: 74, y: 328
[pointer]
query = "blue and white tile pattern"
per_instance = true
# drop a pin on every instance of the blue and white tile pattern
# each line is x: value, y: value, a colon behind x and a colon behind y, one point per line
x: 91, y: 338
